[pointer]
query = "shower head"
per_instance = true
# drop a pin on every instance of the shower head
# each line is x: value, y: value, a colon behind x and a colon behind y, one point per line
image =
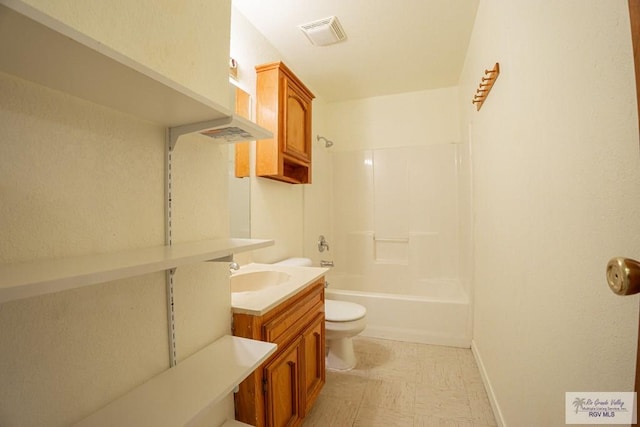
x: 327, y: 143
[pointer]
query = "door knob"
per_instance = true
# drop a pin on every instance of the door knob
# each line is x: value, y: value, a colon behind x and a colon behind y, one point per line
x: 623, y: 276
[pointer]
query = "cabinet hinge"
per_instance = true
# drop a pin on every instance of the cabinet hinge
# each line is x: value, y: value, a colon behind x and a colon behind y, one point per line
x: 264, y: 385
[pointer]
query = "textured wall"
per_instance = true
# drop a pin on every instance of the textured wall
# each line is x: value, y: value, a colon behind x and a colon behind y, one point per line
x: 556, y: 168
x: 78, y: 178
x: 182, y: 40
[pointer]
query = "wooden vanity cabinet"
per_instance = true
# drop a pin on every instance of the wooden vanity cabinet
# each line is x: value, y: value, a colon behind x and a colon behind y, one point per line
x: 283, y: 105
x: 283, y: 389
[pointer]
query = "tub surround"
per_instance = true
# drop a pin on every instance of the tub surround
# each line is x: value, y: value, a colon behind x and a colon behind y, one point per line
x: 257, y: 303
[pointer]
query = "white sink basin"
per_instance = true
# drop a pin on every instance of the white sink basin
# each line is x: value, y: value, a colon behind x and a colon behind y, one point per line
x: 257, y: 280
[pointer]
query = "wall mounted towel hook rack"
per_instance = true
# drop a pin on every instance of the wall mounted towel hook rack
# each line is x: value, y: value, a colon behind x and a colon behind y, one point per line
x: 486, y: 83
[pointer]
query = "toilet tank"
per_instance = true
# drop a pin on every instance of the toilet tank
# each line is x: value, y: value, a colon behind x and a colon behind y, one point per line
x: 295, y: 262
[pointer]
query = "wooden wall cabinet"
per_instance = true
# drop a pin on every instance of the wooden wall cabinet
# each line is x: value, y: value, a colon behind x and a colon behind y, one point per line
x: 283, y: 106
x: 283, y: 389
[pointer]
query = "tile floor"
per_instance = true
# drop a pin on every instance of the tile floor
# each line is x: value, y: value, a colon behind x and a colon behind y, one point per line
x: 404, y: 384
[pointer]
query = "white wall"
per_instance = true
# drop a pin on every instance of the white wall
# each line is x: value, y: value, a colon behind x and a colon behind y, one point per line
x: 556, y: 169
x: 277, y: 208
x: 79, y: 178
x: 406, y: 119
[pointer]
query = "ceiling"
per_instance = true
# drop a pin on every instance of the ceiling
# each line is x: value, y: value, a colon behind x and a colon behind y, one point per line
x: 392, y: 46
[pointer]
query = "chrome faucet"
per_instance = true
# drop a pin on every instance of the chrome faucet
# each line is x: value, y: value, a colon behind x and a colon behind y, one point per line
x: 233, y: 266
x: 322, y: 244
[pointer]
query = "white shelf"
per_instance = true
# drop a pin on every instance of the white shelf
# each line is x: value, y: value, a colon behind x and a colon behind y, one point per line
x: 179, y: 394
x: 36, y: 47
x: 28, y: 279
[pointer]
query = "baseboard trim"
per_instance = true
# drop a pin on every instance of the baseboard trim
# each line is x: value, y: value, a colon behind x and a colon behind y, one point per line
x: 495, y: 407
x: 414, y: 335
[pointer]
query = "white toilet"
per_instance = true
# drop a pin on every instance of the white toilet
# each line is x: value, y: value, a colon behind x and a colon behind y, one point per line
x: 343, y: 321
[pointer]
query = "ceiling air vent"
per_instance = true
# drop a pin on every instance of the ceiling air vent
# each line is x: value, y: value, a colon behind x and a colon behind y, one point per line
x: 324, y: 32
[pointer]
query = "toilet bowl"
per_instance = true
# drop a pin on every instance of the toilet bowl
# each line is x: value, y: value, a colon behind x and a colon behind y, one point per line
x: 343, y: 321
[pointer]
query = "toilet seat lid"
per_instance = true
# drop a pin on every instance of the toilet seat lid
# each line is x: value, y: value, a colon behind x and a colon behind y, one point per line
x: 343, y: 311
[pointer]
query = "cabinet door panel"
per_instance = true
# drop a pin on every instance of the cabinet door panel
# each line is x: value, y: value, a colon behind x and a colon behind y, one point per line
x: 314, y: 361
x: 295, y: 140
x: 283, y: 387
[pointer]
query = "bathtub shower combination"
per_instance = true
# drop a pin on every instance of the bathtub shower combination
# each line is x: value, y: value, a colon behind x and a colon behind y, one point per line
x: 397, y: 243
x: 431, y: 319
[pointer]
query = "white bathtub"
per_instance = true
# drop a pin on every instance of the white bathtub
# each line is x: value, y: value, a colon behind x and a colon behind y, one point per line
x: 440, y: 316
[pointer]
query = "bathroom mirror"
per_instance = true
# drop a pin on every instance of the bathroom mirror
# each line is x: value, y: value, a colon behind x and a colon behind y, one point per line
x: 238, y: 174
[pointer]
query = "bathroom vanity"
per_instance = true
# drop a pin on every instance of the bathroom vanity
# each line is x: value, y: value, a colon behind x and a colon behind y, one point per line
x: 290, y: 313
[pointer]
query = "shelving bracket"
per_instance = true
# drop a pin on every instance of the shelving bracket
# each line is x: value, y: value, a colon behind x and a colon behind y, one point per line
x: 224, y: 130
